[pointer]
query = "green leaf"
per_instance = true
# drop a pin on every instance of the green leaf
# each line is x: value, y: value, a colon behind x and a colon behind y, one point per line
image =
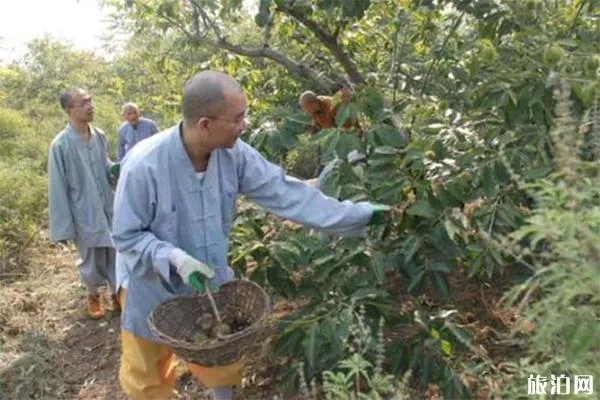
x: 446, y: 347
x: 261, y: 19
x: 309, y: 289
x: 502, y: 174
x: 386, y: 152
x: 537, y: 173
x: 371, y: 104
x: 440, y: 266
x: 416, y: 282
x: 488, y: 181
x: 346, y: 112
x: 279, y: 280
x: 330, y: 144
x: 378, y: 267
x: 424, y: 371
x: 422, y: 208
x: 286, y: 254
x: 440, y: 283
x: 310, y: 344
x: 355, y: 8
x: 411, y: 246
x: 324, y: 260
x: 447, y: 198
x: 287, y: 343
x: 387, y: 135
x: 451, y: 229
x: 345, y: 144
x: 439, y: 149
x: 368, y: 293
x: 457, y: 189
x: 263, y: 6
x: 327, y: 5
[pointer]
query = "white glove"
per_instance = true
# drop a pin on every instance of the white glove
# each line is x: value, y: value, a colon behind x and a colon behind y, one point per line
x: 186, y: 265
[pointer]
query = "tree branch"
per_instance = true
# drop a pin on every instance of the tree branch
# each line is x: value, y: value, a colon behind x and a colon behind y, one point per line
x: 294, y: 67
x: 302, y: 70
x: 267, y: 36
x: 331, y: 43
x: 206, y: 18
x: 175, y: 23
x: 196, y: 19
x: 574, y: 25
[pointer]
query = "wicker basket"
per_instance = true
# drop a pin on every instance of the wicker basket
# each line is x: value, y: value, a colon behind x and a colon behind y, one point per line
x: 174, y: 323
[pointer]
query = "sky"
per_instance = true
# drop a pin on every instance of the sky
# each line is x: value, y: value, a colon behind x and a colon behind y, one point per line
x: 79, y: 22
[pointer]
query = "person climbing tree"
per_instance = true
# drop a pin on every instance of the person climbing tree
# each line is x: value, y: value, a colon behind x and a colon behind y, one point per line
x: 324, y: 115
x: 323, y: 112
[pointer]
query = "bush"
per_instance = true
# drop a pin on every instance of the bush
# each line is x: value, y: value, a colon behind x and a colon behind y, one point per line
x: 303, y: 160
x: 360, y: 375
x: 560, y: 242
x: 23, y: 200
x: 19, y: 141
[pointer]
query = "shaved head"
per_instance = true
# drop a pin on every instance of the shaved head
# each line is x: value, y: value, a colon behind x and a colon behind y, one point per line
x: 205, y: 94
x: 129, y: 106
x: 66, y: 99
x: 308, y: 97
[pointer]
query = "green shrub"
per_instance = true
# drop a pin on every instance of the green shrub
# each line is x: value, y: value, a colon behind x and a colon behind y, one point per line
x: 303, y: 160
x: 18, y: 141
x: 560, y: 242
x: 23, y: 200
x: 360, y: 375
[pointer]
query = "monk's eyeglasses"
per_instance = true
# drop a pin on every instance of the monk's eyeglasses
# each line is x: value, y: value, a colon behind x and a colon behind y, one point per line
x: 237, y: 121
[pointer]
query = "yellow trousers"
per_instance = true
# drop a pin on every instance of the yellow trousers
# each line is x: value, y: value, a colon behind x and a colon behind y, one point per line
x: 148, y: 369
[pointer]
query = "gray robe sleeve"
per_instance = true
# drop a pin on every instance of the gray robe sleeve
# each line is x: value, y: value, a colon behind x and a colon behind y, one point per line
x: 135, y: 203
x: 290, y: 198
x: 59, y: 205
x: 120, y: 143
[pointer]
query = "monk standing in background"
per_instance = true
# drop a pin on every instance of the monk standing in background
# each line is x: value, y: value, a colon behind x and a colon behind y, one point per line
x: 80, y: 198
x: 134, y: 129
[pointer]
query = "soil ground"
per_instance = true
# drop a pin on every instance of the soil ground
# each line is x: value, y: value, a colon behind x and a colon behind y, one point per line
x: 51, y: 350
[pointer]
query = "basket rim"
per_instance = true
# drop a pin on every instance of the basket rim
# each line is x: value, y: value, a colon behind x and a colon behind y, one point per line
x: 215, y: 342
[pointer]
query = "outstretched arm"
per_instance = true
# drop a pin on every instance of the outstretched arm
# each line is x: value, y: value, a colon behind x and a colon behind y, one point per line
x: 290, y: 198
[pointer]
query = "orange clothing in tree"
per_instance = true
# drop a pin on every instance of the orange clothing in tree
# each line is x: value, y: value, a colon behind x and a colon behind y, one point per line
x: 323, y: 112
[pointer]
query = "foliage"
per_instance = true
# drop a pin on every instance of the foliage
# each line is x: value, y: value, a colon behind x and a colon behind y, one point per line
x: 455, y: 101
x: 360, y: 375
x: 22, y: 211
x: 151, y: 73
x: 277, y: 133
x: 428, y: 352
x: 559, y: 242
x: 302, y: 161
x: 33, y: 85
x: 19, y: 141
x: 474, y: 123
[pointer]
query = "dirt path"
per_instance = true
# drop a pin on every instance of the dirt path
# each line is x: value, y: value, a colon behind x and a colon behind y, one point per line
x: 50, y: 350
